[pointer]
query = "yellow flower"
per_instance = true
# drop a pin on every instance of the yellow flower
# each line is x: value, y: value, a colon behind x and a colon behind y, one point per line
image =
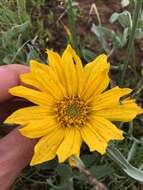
x: 71, y: 106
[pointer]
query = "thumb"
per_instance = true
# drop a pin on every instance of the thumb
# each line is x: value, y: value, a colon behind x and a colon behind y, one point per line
x: 9, y: 77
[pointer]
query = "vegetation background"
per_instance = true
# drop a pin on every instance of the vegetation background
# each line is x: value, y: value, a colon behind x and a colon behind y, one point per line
x: 27, y: 27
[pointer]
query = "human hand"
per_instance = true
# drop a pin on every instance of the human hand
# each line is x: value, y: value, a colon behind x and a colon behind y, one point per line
x: 15, y: 150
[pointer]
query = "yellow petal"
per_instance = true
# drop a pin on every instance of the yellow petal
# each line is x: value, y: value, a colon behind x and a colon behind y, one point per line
x: 109, y: 98
x: 36, y: 65
x: 28, y: 78
x: 80, y: 78
x: 69, y: 72
x: 97, y: 79
x: 49, y: 86
x: 46, y: 79
x: 93, y: 139
x: 54, y: 60
x: 25, y: 115
x: 36, y: 129
x: 70, y: 145
x: 46, y: 147
x: 31, y: 78
x: 96, y: 67
x: 140, y: 111
x: 79, y: 70
x: 95, y: 87
x: 38, y: 69
x: 34, y: 96
x: 50, y: 71
x: 106, y: 129
x: 125, y: 112
x: 42, y: 82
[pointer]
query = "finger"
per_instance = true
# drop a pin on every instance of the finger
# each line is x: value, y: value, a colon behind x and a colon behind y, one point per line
x: 9, y: 77
x: 16, y: 152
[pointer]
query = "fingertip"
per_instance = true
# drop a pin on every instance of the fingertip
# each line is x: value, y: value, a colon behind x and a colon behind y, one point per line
x: 7, y: 80
x: 17, y: 68
x: 9, y: 77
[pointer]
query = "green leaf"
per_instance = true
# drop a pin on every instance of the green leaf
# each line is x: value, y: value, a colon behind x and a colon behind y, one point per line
x: 7, y: 16
x: 140, y: 22
x: 88, y: 159
x: 138, y: 34
x: 132, y: 151
x: 66, y: 177
x: 124, y: 18
x: 21, y: 4
x: 33, y: 54
x: 7, y: 59
x: 22, y: 14
x: 88, y: 55
x: 124, y: 37
x: 118, y: 39
x: 64, y: 171
x: 101, y: 171
x: 114, y: 17
x: 13, y: 32
x: 102, y: 34
x: 116, y: 156
x: 47, y: 165
x: 125, y: 3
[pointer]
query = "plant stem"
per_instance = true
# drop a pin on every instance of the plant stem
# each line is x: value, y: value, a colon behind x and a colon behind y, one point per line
x: 131, y: 39
x: 72, y: 23
x: 134, y: 62
x: 132, y: 151
x: 92, y: 180
x: 96, y: 185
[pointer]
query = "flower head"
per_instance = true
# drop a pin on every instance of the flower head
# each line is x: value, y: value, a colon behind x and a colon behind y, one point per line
x: 71, y: 106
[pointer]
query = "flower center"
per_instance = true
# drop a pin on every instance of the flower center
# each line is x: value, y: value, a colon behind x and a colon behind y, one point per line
x: 71, y: 112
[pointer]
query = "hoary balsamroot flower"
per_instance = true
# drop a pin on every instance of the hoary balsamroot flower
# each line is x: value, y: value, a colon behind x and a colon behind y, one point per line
x: 72, y: 106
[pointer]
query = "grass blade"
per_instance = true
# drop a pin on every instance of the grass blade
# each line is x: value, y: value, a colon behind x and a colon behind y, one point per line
x: 131, y: 39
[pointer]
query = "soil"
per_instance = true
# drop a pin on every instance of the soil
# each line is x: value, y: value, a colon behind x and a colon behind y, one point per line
x: 83, y: 26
